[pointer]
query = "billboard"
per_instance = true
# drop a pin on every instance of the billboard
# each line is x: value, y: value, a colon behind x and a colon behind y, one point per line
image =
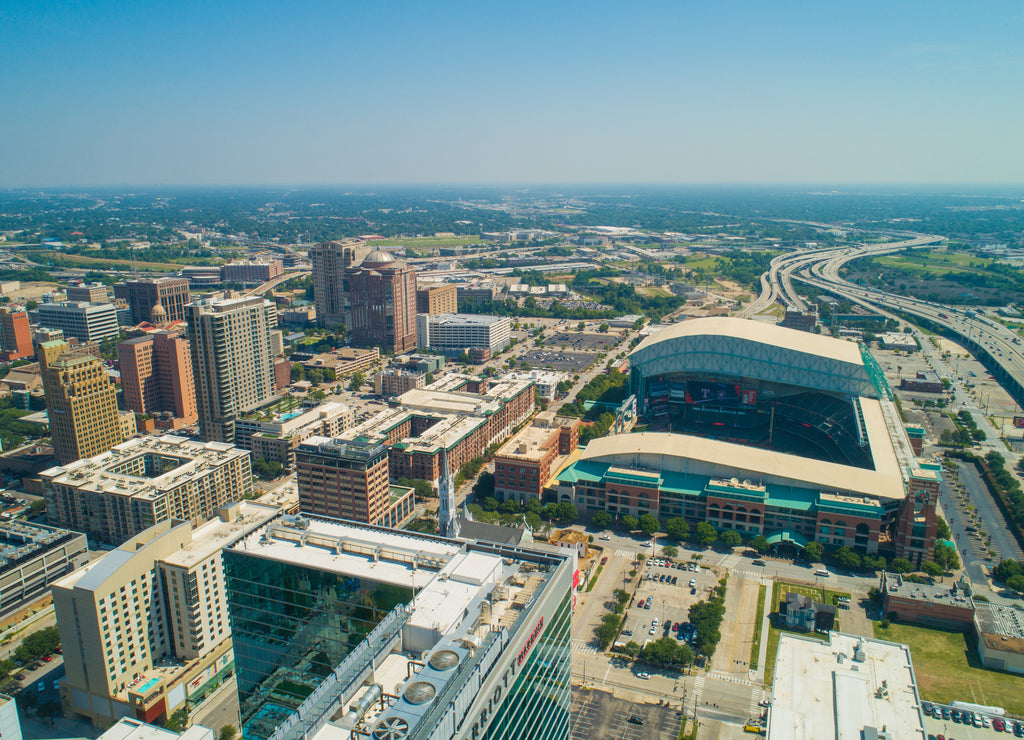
x: 1018, y: 422
x: 749, y: 397
x: 699, y: 391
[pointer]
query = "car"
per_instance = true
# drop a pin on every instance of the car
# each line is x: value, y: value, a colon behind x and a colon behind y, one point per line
x: 675, y: 580
x: 760, y: 562
x: 693, y: 582
x: 662, y: 578
x: 41, y: 687
x: 693, y: 591
x: 651, y: 631
x: 985, y: 721
x: 696, y: 569
x: 945, y: 712
x: 998, y: 725
x: 645, y: 544
x: 654, y: 621
x: 627, y: 633
x: 604, y: 537
x: 1018, y: 729
x: 643, y: 675
x: 956, y: 716
x: 604, y: 561
x: 634, y: 720
x: 47, y: 658
x: 680, y: 566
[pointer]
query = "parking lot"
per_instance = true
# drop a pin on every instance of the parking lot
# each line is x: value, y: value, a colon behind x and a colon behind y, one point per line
x: 597, y: 715
x: 584, y: 341
x: 573, y: 362
x: 669, y: 602
x: 951, y: 730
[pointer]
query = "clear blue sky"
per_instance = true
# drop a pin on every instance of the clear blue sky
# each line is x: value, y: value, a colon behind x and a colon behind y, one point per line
x: 97, y: 92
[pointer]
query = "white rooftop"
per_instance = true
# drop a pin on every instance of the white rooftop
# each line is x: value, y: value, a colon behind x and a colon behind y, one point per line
x: 822, y: 691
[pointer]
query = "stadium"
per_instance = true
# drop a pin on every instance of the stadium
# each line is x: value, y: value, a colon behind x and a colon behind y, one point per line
x: 764, y: 430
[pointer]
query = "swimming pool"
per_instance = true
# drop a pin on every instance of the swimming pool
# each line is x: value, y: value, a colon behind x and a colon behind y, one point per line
x: 148, y: 685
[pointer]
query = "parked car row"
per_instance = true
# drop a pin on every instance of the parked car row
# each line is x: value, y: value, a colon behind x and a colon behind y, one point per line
x: 976, y: 719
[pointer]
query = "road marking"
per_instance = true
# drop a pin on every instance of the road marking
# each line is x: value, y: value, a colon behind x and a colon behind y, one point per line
x: 732, y: 678
x: 584, y: 646
x: 626, y: 553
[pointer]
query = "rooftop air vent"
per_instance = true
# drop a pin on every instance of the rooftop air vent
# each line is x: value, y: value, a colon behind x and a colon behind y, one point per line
x: 444, y: 660
x: 420, y: 692
x: 392, y: 728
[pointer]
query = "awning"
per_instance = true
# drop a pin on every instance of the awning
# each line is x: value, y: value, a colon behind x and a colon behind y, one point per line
x: 787, y: 536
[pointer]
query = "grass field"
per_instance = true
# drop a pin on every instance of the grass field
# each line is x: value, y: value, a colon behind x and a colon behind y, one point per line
x: 755, y: 647
x: 947, y: 667
x: 77, y: 260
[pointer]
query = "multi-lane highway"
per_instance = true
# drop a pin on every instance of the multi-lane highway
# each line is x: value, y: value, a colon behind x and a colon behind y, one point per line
x: 997, y: 346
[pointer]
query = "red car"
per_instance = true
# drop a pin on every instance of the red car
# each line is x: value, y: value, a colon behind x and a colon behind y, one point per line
x: 47, y: 658
x: 604, y: 560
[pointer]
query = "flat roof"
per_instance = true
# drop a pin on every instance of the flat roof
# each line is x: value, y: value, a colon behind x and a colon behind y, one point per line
x: 821, y: 691
x: 209, y: 538
x: 953, y: 595
x: 761, y: 333
x: 662, y: 450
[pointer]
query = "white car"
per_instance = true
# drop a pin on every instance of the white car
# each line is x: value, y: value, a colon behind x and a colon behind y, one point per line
x: 643, y: 675
x: 604, y: 537
x: 693, y: 582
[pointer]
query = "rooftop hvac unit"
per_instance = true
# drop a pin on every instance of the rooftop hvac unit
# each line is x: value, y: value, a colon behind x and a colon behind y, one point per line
x: 392, y: 728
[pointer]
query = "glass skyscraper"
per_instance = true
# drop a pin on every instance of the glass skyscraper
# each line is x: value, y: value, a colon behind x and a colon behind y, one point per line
x: 291, y: 626
x: 398, y: 635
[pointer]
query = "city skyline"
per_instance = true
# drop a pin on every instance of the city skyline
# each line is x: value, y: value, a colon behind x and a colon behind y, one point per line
x: 652, y: 93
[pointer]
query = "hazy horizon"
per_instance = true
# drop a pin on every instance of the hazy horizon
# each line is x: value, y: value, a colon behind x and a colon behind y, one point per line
x: 463, y: 94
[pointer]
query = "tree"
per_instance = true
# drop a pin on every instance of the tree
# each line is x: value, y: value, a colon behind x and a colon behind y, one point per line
x: 298, y: 371
x: 567, y: 513
x: 760, y: 543
x: 1007, y: 569
x: 731, y: 538
x: 670, y: 551
x: 946, y: 557
x: 873, y: 562
x: 1016, y: 583
x: 491, y: 504
x: 901, y: 565
x: 847, y: 557
x: 428, y: 378
x: 608, y: 629
x: 931, y: 568
x: 677, y: 528
x: 630, y: 522
x: 510, y: 506
x: 943, y: 532
x: 705, y: 534
x: 649, y: 524
x: 315, y: 376
x: 631, y: 648
x: 601, y: 519
x: 227, y: 732
x: 603, y: 328
x: 178, y: 721
x: 813, y: 551
x: 356, y: 381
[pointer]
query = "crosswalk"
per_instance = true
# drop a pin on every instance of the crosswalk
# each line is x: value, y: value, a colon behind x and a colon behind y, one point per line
x: 698, y: 689
x: 584, y: 646
x: 756, y: 696
x: 731, y: 678
x: 630, y: 554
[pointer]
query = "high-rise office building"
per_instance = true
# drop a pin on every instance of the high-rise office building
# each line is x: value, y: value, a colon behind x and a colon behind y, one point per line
x: 171, y: 293
x: 16, y: 335
x: 330, y: 260
x: 81, y: 402
x: 156, y: 375
x: 437, y: 298
x: 232, y: 360
x: 145, y: 628
x: 348, y: 479
x: 89, y: 293
x: 325, y: 615
x: 383, y: 299
x: 144, y: 481
x: 89, y: 322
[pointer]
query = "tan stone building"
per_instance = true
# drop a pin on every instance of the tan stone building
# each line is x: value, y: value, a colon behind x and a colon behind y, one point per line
x: 437, y: 298
x: 156, y: 375
x: 81, y: 403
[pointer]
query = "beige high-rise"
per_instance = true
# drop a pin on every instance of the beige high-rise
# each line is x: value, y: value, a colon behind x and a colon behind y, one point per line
x: 232, y: 360
x: 81, y: 402
x: 145, y: 628
x: 330, y: 283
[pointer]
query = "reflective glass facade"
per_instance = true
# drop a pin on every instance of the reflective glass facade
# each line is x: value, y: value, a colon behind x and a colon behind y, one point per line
x: 537, y: 707
x: 291, y: 626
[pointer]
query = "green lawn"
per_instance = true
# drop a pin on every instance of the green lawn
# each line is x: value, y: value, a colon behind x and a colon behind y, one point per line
x: 755, y: 648
x: 947, y: 667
